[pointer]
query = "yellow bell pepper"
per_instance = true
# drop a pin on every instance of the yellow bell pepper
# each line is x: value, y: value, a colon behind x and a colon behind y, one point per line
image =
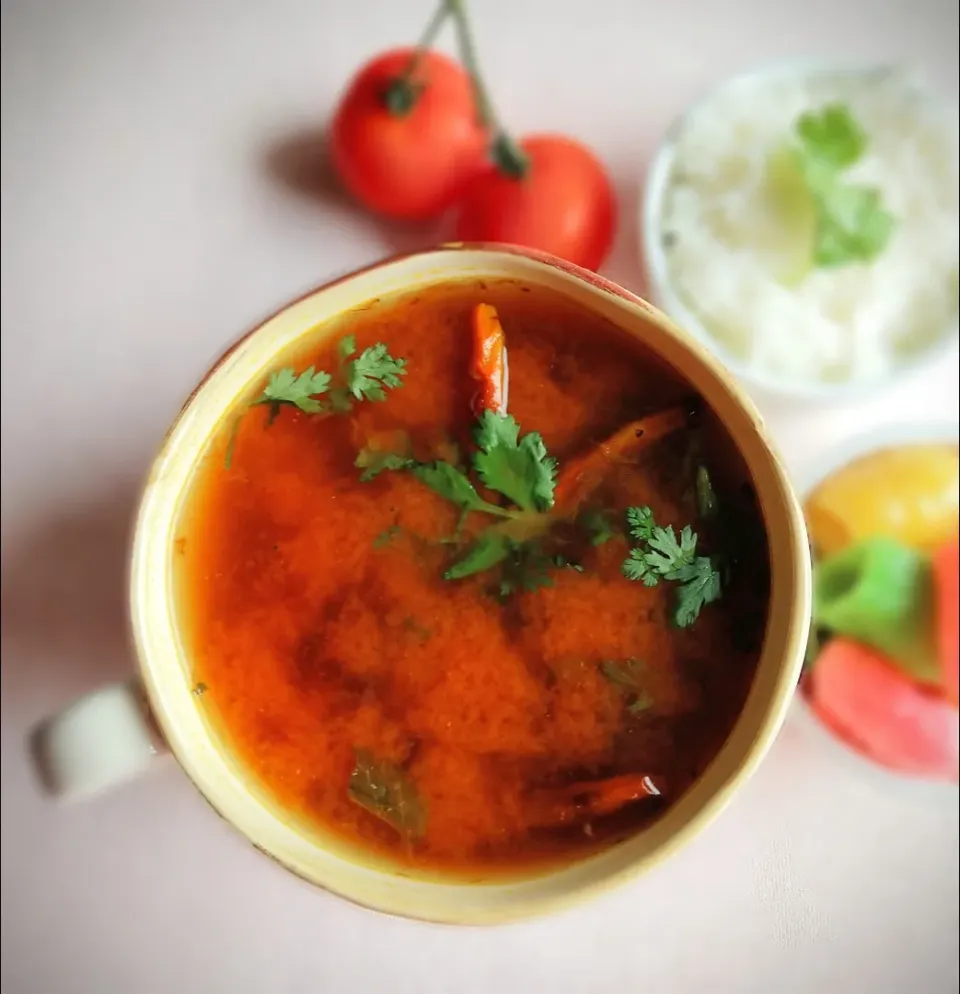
x: 910, y: 494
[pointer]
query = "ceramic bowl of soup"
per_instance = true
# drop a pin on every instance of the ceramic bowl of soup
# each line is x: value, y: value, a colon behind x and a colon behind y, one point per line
x: 464, y: 587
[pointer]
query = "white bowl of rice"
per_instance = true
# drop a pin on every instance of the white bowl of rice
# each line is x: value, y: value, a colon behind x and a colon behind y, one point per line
x: 839, y: 278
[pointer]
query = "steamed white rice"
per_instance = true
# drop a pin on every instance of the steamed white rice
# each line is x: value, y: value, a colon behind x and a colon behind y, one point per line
x: 845, y: 324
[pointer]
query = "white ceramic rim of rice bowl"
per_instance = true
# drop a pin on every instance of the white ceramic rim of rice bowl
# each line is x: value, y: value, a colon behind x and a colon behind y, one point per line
x: 659, y: 284
x: 841, y: 756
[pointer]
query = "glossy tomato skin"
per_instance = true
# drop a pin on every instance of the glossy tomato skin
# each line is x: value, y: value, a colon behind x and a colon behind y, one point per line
x: 564, y: 204
x: 409, y: 166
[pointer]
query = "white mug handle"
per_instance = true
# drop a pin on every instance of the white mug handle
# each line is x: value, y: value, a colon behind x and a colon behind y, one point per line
x: 100, y: 741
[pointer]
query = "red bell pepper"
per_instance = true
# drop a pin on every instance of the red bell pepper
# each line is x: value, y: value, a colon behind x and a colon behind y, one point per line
x: 875, y: 707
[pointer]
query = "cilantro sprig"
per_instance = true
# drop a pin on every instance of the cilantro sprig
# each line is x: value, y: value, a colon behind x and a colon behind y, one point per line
x: 851, y: 222
x: 285, y: 386
x: 364, y: 378
x: 372, y: 373
x: 453, y: 484
x: 518, y: 468
x: 515, y: 466
x: 661, y: 555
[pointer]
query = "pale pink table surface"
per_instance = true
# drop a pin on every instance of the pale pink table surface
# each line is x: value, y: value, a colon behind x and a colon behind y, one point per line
x: 150, y: 213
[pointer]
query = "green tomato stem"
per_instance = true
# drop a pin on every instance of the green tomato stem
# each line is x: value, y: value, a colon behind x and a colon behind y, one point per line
x: 505, y: 152
x: 402, y: 94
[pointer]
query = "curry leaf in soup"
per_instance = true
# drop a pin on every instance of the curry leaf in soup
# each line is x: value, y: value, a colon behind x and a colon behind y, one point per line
x: 285, y: 386
x: 373, y: 372
x: 707, y: 507
x: 386, y: 791
x: 518, y: 468
x: 624, y: 673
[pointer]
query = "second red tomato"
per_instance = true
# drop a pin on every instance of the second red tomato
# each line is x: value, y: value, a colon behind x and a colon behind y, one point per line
x: 563, y: 203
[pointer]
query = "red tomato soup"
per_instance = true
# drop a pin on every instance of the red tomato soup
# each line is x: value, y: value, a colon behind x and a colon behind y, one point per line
x: 467, y: 639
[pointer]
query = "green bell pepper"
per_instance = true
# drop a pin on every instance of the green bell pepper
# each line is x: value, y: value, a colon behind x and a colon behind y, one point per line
x: 880, y: 592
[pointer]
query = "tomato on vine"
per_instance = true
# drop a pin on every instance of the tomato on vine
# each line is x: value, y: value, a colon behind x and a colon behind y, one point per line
x: 549, y: 192
x: 409, y: 140
x: 405, y: 136
x: 554, y: 196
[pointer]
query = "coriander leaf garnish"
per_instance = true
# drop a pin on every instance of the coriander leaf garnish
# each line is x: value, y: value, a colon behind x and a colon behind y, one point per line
x: 525, y: 566
x: 373, y: 372
x: 851, y: 224
x: 661, y: 555
x: 489, y: 549
x: 388, y: 793
x: 832, y: 135
x: 640, y: 523
x: 518, y: 468
x: 635, y: 568
x: 285, y: 386
x: 373, y: 462
x: 703, y: 587
x: 450, y: 482
x: 668, y: 557
x: 363, y: 378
